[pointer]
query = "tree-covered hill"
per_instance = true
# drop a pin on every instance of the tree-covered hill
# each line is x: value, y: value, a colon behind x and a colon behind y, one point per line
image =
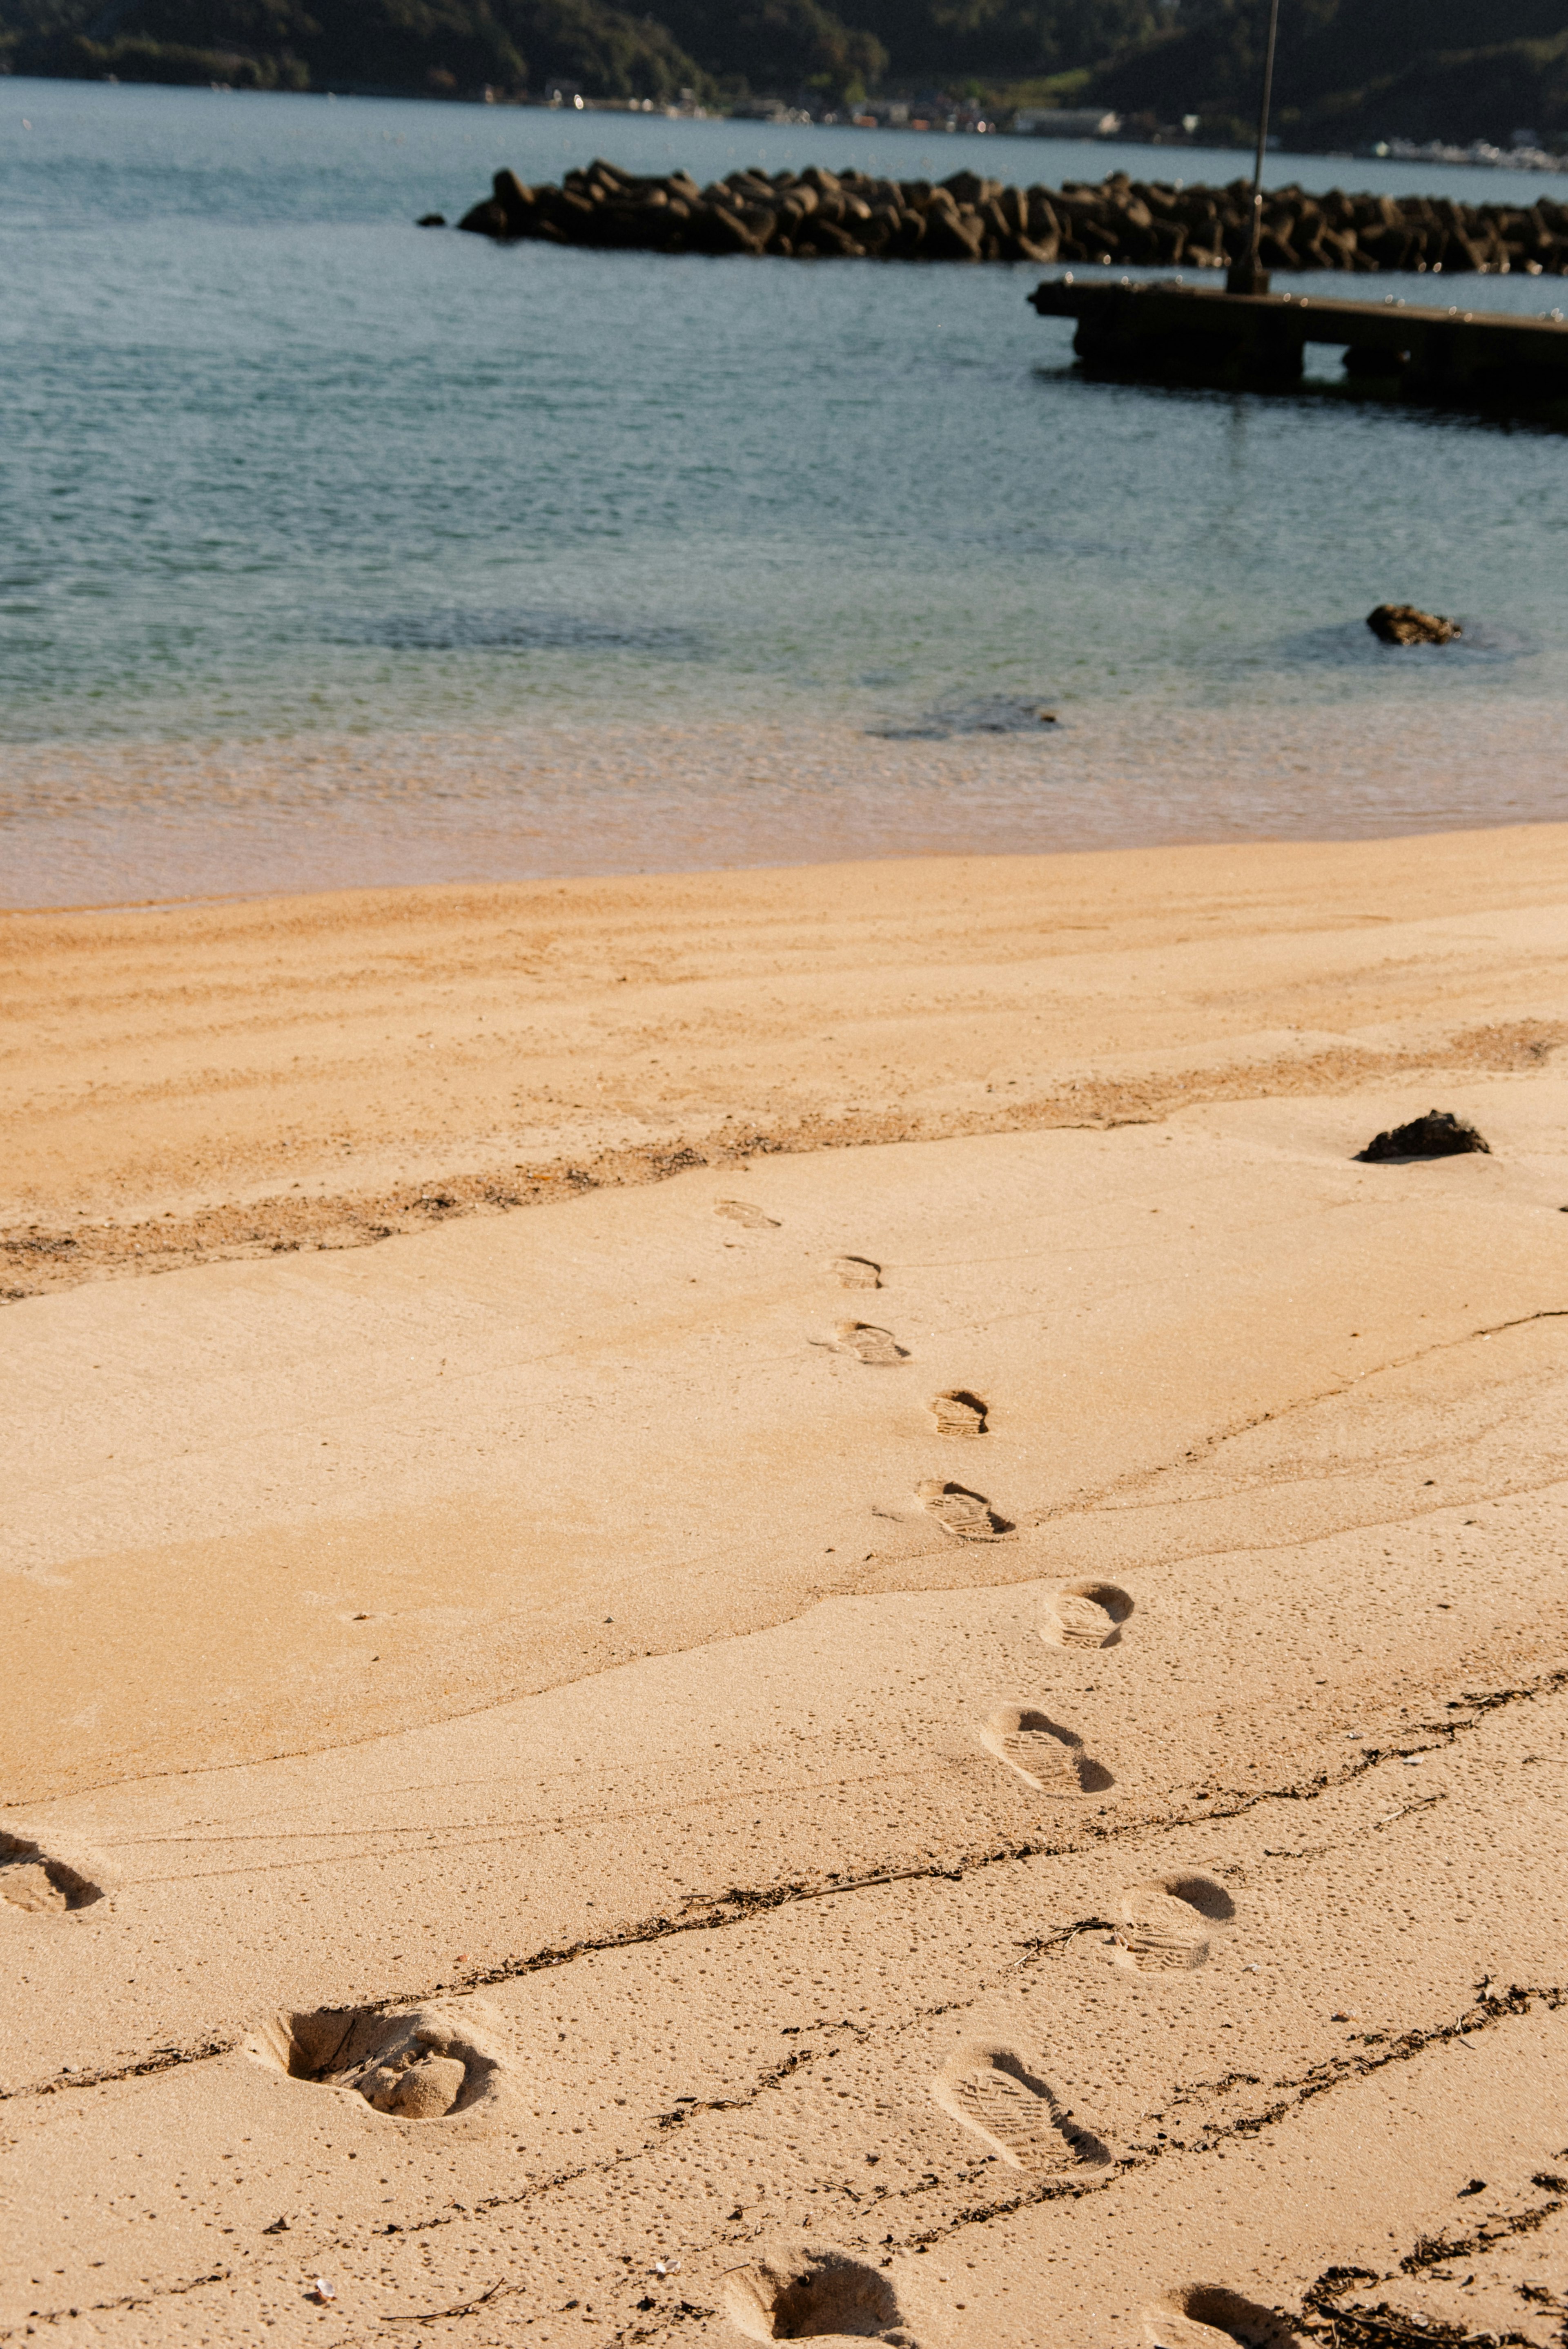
x: 1353, y: 70
x: 1350, y: 70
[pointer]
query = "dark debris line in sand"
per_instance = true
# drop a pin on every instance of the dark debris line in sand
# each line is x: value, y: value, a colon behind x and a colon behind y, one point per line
x: 1379, y: 2328
x: 1323, y: 2318
x: 741, y: 1905
x: 45, y: 1261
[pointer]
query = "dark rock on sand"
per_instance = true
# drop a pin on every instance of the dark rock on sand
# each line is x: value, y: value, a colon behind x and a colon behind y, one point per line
x: 1438, y: 1134
x: 1402, y: 624
x: 431, y: 220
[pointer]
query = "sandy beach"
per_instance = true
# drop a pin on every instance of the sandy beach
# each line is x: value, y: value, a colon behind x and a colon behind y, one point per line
x: 778, y: 1604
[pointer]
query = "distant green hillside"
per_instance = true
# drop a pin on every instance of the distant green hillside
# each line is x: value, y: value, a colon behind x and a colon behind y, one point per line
x: 1347, y: 73
x: 440, y: 47
x: 717, y: 49
x: 1350, y: 70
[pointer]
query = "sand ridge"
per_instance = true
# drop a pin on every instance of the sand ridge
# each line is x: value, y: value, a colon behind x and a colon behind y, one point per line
x: 566, y: 1793
x: 191, y: 1082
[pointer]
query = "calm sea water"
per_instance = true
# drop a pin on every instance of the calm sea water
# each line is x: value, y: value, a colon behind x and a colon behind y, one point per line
x: 281, y: 475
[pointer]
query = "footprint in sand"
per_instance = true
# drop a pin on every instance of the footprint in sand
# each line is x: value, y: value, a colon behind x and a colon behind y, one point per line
x: 805, y: 2292
x: 856, y: 1272
x: 40, y: 1883
x: 968, y: 1516
x: 958, y: 1412
x: 1208, y: 2315
x: 1042, y: 1752
x: 421, y: 2063
x: 1084, y: 1615
x: 868, y: 1343
x: 991, y: 2090
x: 741, y: 1211
x: 1169, y: 1922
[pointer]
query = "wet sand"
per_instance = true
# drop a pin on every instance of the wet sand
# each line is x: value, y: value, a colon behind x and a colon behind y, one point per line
x: 1427, y: 749
x: 569, y: 1789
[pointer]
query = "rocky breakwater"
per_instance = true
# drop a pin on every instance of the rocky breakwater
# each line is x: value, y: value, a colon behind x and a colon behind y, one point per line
x: 824, y: 214
x: 1120, y: 220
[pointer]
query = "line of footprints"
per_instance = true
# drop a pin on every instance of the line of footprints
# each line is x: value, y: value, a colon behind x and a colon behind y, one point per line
x: 1166, y: 1925
x: 436, y: 2061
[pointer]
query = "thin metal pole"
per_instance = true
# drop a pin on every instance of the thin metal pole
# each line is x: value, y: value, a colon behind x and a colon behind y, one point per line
x: 1263, y: 137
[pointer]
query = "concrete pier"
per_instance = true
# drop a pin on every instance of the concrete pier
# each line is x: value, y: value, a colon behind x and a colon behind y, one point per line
x: 1166, y: 333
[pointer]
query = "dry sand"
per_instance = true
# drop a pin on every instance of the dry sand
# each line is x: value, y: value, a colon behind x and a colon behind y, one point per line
x: 550, y: 1788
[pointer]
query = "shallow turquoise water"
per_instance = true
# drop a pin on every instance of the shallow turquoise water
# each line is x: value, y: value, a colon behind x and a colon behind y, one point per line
x: 278, y: 465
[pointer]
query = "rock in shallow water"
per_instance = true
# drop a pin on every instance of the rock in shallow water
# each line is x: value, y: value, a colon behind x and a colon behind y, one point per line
x: 1402, y: 624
